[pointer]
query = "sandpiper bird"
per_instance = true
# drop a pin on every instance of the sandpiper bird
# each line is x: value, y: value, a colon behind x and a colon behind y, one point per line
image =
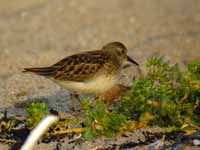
x: 91, y: 72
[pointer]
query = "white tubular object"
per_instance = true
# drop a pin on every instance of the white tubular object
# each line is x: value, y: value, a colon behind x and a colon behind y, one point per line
x: 36, y: 134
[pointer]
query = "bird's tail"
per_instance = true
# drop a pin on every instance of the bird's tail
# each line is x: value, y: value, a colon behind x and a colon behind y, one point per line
x: 43, y: 71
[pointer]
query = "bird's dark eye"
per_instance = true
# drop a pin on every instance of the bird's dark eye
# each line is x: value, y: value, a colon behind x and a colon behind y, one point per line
x: 123, y: 51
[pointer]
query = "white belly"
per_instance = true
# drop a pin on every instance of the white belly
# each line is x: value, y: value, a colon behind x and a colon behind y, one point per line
x: 98, y: 85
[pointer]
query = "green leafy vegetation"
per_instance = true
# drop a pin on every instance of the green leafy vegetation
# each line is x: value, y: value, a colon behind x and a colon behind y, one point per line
x: 36, y: 111
x: 100, y: 121
x: 166, y: 93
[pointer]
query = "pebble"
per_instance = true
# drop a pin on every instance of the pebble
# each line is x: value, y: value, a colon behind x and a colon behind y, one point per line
x: 196, y: 142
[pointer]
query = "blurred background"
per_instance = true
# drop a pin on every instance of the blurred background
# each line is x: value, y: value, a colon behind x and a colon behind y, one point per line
x: 40, y: 32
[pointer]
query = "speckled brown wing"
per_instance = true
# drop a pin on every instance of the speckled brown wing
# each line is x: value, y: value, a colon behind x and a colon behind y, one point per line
x: 80, y: 67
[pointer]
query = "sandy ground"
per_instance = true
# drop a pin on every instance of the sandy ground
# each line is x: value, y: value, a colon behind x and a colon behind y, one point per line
x: 40, y: 32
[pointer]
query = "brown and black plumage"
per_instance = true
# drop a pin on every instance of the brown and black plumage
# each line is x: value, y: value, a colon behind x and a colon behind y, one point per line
x: 88, y: 72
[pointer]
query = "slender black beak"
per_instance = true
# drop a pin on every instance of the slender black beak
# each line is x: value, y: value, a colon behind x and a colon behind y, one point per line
x: 132, y: 61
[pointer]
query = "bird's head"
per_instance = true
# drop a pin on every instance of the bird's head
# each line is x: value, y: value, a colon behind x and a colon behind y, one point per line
x: 119, y: 50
